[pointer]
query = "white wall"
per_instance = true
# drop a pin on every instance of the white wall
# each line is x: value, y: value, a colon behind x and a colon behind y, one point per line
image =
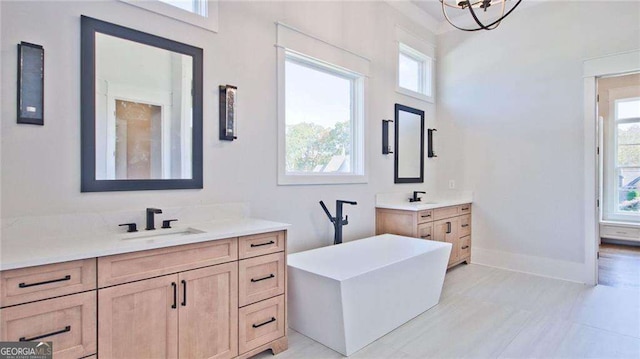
x: 510, y: 112
x: 41, y: 165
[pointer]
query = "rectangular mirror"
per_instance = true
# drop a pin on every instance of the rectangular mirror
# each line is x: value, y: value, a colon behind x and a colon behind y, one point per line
x: 141, y: 110
x: 409, y: 145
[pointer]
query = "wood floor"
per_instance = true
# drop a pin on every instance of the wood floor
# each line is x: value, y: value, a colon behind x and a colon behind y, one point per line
x: 492, y: 313
x: 619, y: 266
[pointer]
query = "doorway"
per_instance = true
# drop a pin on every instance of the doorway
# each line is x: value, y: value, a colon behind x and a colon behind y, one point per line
x: 618, y: 100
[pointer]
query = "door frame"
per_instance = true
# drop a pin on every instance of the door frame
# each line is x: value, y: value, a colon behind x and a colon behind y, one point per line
x: 614, y: 64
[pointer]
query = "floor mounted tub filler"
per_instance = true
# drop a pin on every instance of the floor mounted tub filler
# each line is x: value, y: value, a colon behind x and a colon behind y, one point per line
x: 347, y: 296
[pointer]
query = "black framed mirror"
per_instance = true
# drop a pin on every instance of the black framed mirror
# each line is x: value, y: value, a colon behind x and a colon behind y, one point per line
x: 409, y: 145
x: 141, y: 98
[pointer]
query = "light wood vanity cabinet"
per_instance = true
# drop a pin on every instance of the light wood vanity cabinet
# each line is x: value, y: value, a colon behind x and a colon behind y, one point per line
x: 447, y: 224
x: 217, y: 299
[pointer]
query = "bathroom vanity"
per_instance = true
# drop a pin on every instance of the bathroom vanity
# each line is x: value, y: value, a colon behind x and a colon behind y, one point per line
x: 444, y: 221
x: 217, y: 293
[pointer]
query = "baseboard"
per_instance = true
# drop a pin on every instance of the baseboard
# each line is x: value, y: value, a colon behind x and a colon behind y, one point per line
x: 545, y: 267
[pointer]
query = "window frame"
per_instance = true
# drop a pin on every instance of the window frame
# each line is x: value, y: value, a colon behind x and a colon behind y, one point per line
x: 208, y: 22
x: 612, y: 168
x: 359, y: 166
x: 426, y: 79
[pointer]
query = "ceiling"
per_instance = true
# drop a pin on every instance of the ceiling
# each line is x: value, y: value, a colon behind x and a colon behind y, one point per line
x: 431, y: 7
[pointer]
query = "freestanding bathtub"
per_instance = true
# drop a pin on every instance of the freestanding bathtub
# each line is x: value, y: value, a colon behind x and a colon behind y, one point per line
x: 347, y: 296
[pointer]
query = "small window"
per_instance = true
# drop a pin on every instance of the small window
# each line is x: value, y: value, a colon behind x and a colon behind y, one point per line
x: 201, y: 13
x: 323, y: 123
x: 415, y: 73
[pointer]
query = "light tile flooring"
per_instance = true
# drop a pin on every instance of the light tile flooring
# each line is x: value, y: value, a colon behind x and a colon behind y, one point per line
x: 492, y: 313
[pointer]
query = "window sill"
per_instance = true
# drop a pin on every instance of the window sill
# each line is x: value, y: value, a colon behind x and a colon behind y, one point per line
x: 305, y: 179
x: 414, y: 94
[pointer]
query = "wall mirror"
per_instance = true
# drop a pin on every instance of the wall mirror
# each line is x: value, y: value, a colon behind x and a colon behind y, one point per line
x: 409, y: 145
x: 141, y: 110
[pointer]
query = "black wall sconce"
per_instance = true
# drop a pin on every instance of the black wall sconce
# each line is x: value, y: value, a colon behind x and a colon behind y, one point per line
x: 430, y: 152
x: 386, y: 149
x: 30, y: 84
x: 228, y: 130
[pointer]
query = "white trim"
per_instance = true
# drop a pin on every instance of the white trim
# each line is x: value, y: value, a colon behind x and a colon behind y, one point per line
x: 416, y: 14
x: 592, y: 68
x: 540, y: 266
x: 209, y: 22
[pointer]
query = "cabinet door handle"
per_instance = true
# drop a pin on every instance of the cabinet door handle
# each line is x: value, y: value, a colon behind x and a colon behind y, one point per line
x: 263, y: 278
x: 262, y: 244
x: 25, y: 285
x: 465, y: 225
x: 66, y: 329
x: 184, y: 293
x: 448, y: 227
x: 465, y: 247
x: 265, y: 323
x: 175, y: 295
x: 427, y: 236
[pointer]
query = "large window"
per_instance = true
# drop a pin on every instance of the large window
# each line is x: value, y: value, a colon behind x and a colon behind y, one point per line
x: 627, y: 155
x: 323, y: 119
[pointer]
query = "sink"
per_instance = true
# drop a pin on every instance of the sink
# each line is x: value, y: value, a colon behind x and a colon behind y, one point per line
x: 161, y: 233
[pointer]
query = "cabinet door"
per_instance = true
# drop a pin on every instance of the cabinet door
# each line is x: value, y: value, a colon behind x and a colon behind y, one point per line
x: 208, y: 323
x: 447, y: 230
x: 139, y: 319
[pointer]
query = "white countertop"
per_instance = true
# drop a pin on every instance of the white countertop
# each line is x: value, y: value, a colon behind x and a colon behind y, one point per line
x: 38, y: 251
x: 419, y: 206
x: 354, y: 258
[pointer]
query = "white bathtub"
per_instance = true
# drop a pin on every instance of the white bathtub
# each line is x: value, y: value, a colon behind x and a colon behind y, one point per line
x: 347, y: 296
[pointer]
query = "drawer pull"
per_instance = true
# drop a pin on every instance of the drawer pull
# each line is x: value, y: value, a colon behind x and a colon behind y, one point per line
x: 465, y: 247
x: 427, y: 236
x: 66, y: 329
x: 25, y: 285
x: 263, y: 278
x: 465, y: 225
x: 184, y: 293
x: 262, y: 244
x: 265, y: 323
x: 465, y: 208
x: 426, y: 215
x: 175, y: 295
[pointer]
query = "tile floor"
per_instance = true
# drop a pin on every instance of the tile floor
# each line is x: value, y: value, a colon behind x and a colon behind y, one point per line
x: 493, y: 313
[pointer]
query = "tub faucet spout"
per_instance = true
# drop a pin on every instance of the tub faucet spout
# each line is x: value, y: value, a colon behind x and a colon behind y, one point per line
x: 338, y: 221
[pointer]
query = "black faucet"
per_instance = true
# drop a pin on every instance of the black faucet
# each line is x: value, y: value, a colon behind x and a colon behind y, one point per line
x: 415, y: 197
x: 338, y: 221
x: 151, y: 223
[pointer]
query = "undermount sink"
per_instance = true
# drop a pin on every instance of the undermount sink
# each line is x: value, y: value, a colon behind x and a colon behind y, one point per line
x: 162, y: 233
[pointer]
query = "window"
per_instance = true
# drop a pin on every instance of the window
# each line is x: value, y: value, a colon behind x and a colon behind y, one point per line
x: 415, y: 73
x: 323, y: 123
x: 627, y: 155
x: 201, y: 13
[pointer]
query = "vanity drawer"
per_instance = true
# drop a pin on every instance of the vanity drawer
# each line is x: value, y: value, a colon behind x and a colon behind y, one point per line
x: 425, y: 231
x: 465, y: 225
x: 69, y: 322
x: 129, y: 267
x: 465, y: 247
x: 445, y: 212
x: 261, y: 323
x: 425, y: 216
x: 465, y: 208
x: 259, y: 244
x: 261, y: 278
x: 18, y: 286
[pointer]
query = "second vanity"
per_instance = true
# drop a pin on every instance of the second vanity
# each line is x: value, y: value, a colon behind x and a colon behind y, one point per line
x: 444, y: 220
x: 219, y: 293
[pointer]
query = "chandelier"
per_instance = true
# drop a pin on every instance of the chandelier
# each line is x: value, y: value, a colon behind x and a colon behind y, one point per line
x: 475, y: 7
